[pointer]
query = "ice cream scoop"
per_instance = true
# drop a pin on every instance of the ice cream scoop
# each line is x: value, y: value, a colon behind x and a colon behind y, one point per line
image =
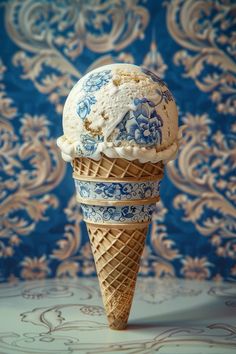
x: 120, y: 110
x: 120, y: 126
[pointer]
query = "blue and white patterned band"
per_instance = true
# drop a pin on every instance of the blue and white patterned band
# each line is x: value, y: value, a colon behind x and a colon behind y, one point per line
x: 116, y: 191
x: 116, y: 214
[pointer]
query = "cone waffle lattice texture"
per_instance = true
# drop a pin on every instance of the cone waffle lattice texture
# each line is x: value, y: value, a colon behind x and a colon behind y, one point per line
x: 117, y: 252
x: 116, y: 168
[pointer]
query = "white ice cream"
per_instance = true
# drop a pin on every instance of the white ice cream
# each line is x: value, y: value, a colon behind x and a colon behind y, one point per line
x: 120, y: 110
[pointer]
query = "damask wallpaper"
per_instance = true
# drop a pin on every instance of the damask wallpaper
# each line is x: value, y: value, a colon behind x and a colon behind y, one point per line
x: 45, y: 47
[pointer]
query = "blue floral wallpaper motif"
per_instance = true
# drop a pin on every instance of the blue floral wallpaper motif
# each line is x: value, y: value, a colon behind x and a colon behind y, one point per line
x: 46, y: 46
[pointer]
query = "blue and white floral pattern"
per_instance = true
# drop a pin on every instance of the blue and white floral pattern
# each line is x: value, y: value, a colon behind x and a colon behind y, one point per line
x: 96, y: 80
x: 167, y: 96
x: 88, y: 145
x: 93, y: 83
x: 84, y: 106
x: 117, y: 191
x: 154, y: 77
x: 138, y: 213
x: 141, y: 126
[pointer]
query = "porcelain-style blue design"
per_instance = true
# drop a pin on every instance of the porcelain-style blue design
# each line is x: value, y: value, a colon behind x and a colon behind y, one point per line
x: 93, y: 83
x: 117, y: 191
x: 88, y: 145
x: 141, y: 126
x: 84, y: 106
x: 118, y: 214
x: 153, y: 76
x: 96, y: 80
x: 166, y: 95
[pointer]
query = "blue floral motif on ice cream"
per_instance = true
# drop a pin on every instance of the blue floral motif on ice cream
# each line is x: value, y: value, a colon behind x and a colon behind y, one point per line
x: 88, y: 145
x: 84, y: 106
x: 167, y: 96
x: 141, y: 126
x: 96, y: 80
x: 154, y: 77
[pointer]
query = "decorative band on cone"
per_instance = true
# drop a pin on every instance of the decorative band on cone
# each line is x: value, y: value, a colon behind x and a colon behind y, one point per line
x: 118, y: 214
x: 116, y: 190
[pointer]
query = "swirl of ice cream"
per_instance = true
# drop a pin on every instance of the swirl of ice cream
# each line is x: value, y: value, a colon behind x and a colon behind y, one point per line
x: 120, y: 110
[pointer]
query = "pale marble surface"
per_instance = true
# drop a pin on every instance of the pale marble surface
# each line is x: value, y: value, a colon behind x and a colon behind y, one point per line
x: 168, y: 316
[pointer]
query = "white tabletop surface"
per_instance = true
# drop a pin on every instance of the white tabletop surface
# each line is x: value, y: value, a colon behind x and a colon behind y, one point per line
x: 168, y: 316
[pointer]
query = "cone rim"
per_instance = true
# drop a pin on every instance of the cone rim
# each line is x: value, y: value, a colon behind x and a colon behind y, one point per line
x: 88, y: 178
x: 139, y: 225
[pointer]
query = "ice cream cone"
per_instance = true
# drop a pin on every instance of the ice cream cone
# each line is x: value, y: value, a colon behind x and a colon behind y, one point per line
x: 120, y: 126
x: 117, y: 239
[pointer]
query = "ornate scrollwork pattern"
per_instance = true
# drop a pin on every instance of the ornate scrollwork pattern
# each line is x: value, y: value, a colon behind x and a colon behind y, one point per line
x: 54, y: 35
x: 31, y: 169
x: 204, y: 176
x: 47, y: 46
x: 205, y: 31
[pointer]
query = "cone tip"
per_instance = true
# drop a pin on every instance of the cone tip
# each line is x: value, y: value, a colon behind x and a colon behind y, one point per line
x: 118, y: 324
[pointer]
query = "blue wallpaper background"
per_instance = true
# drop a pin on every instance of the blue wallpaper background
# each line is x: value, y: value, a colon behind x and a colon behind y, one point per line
x: 45, y: 47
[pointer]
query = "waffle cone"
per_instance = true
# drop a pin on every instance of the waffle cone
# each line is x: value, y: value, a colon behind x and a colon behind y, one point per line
x: 117, y: 248
x: 117, y: 252
x: 116, y: 169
